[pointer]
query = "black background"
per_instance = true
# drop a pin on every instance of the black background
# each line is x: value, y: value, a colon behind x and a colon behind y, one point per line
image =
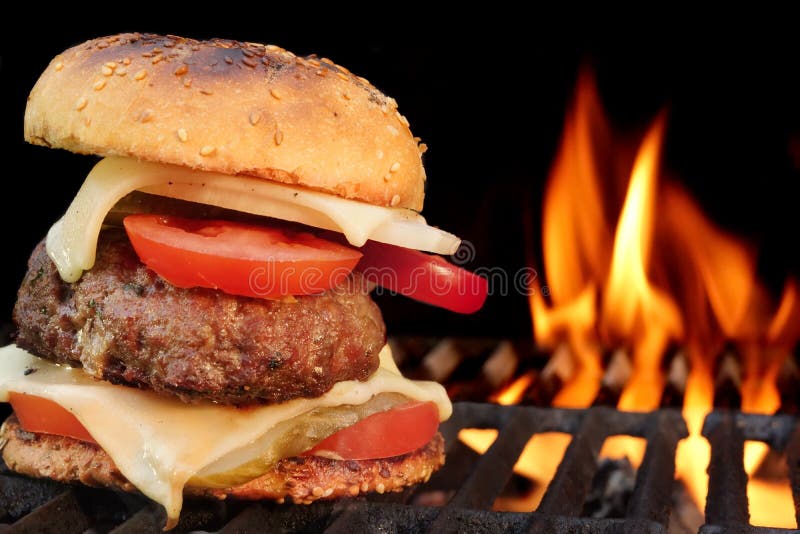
x: 488, y: 96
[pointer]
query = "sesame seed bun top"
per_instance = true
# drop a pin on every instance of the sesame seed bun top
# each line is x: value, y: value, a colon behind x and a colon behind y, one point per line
x: 229, y: 107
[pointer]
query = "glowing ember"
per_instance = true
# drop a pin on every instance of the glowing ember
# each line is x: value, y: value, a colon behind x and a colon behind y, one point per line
x: 634, y: 263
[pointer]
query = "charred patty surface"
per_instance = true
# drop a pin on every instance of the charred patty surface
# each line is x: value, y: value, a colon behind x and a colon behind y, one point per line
x: 123, y: 323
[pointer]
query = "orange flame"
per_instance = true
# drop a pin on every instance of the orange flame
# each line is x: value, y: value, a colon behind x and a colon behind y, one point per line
x: 512, y: 393
x: 641, y: 269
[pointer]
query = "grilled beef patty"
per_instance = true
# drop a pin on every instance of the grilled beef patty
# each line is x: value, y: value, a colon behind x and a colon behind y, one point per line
x: 121, y: 322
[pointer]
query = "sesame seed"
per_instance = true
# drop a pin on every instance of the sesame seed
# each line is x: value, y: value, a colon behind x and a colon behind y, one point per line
x: 126, y: 61
x: 81, y: 103
x: 207, y: 150
x: 88, y: 121
x: 59, y: 66
x: 182, y: 135
x: 281, y: 500
x: 380, y: 488
x: 158, y: 59
x: 206, y: 91
x: 140, y: 75
x: 102, y: 44
x: 180, y: 71
x: 321, y: 72
x: 328, y: 492
x: 99, y: 84
x: 395, y: 200
x: 107, y: 71
x: 229, y: 60
x: 423, y: 148
x: 353, y: 490
x: 111, y: 65
x: 275, y: 94
x: 255, y: 116
x: 278, y: 137
x: 187, y: 82
x: 345, y: 96
x: 387, y: 177
x: 317, y: 491
x: 342, y: 75
x: 395, y: 167
x: 314, y: 63
x: 364, y: 486
x: 122, y: 71
x: 146, y: 115
x: 249, y: 62
x: 248, y: 53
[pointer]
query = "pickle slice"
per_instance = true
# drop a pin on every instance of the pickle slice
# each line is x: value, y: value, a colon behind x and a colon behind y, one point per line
x: 287, y: 439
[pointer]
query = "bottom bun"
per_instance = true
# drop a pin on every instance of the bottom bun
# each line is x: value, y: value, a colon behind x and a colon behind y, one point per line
x: 299, y: 479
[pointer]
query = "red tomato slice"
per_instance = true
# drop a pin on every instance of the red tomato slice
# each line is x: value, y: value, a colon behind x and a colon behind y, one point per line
x: 239, y: 259
x: 37, y: 414
x: 424, y: 277
x: 401, y: 430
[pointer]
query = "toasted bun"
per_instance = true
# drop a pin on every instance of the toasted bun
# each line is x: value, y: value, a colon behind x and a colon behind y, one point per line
x: 300, y: 480
x: 229, y: 107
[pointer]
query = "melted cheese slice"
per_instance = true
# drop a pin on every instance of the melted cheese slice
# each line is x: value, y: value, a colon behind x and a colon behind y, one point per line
x: 158, y: 442
x: 72, y: 241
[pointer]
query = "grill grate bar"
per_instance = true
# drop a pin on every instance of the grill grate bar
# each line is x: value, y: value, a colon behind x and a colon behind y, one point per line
x: 652, y: 495
x: 61, y: 514
x: 273, y: 518
x: 726, y: 504
x: 149, y: 519
x: 573, y: 479
x: 494, y: 467
x: 491, y: 473
x: 726, y: 431
x: 20, y: 495
x: 793, y: 458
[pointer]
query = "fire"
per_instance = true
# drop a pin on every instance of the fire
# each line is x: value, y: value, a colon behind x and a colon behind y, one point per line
x: 514, y: 391
x: 632, y: 262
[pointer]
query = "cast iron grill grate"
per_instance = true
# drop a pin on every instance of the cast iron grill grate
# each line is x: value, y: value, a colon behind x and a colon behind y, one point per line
x: 472, y: 483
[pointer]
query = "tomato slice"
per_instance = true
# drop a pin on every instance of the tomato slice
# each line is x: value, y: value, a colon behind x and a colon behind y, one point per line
x: 424, y: 277
x: 401, y: 430
x: 37, y: 414
x: 240, y: 259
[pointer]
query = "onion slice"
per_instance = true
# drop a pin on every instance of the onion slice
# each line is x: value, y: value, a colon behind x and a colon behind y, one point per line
x: 72, y: 241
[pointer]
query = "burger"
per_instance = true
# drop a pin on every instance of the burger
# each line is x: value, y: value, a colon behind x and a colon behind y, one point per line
x: 199, y: 322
